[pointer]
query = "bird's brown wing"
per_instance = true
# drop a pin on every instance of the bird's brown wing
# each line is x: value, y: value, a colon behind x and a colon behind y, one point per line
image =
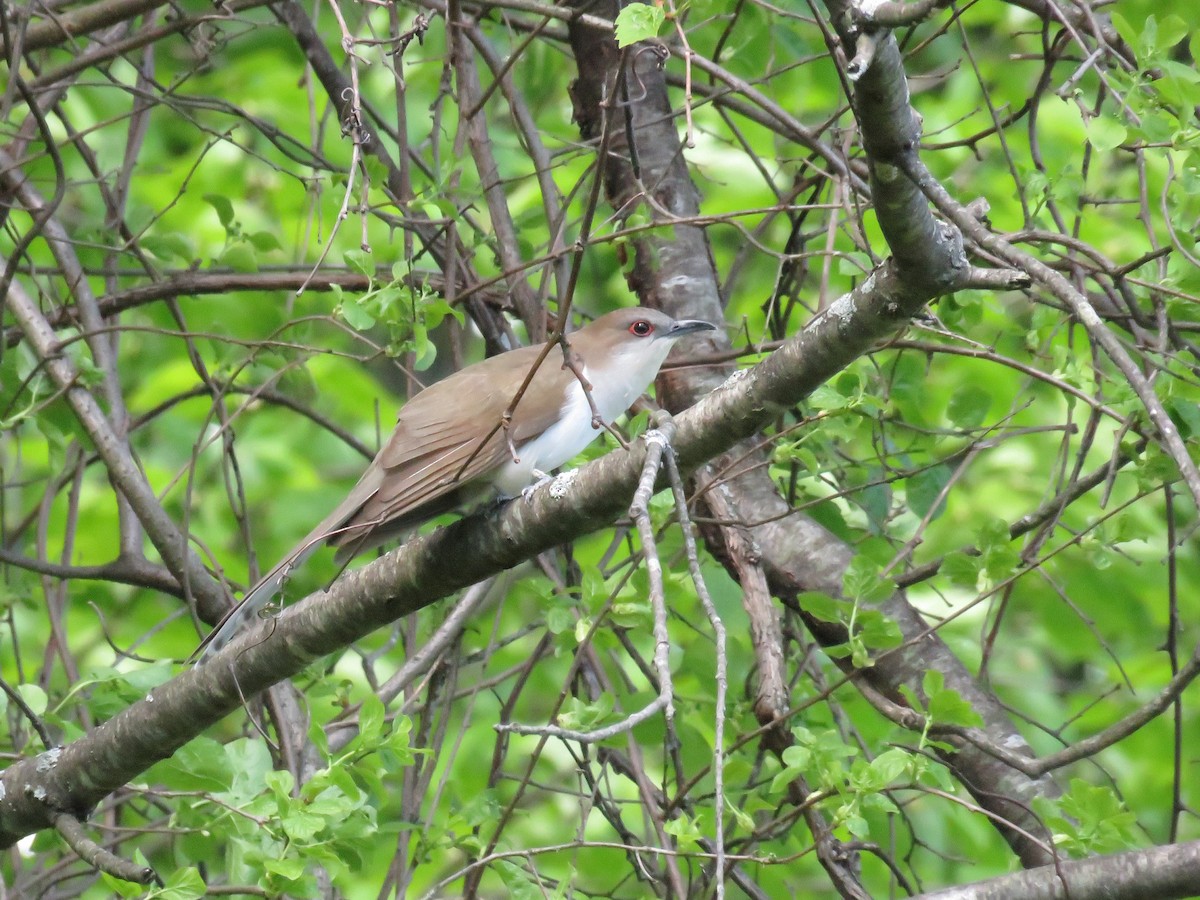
x: 421, y: 471
x: 435, y: 452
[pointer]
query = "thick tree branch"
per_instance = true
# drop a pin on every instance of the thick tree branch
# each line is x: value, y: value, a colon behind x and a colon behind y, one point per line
x: 64, y: 26
x: 426, y: 569
x: 1164, y: 873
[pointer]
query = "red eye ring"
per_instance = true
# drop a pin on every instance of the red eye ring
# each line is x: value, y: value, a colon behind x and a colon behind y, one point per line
x: 641, y: 328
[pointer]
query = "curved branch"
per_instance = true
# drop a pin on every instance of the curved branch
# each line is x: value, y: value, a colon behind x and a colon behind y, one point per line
x: 1160, y: 872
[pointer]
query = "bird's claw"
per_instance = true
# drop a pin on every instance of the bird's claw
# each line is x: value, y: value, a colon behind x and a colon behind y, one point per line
x: 542, y: 478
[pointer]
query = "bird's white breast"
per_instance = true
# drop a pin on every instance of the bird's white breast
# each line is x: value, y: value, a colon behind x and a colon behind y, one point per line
x: 564, y: 439
x: 615, y: 386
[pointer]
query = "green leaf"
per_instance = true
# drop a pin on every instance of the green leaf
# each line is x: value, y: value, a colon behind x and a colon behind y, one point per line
x: 1106, y: 134
x: 1147, y: 41
x: 581, y: 715
x: 949, y: 708
x: 426, y: 350
x: 633, y: 614
x: 145, y: 678
x: 354, y: 311
x: 89, y: 373
x: 1186, y: 416
x: 879, y: 803
x: 302, y: 826
x: 875, y: 500
x: 399, y: 741
x: 280, y: 783
x: 240, y: 257
x: 1088, y: 820
x: 780, y: 782
x: 1171, y: 31
x: 912, y: 698
x: 969, y: 407
x: 826, y: 398
x: 223, y: 207
x: 998, y: 557
x: 182, y: 884
x: 370, y: 720
x: 864, y: 583
x: 992, y: 530
x: 858, y: 826
x: 797, y: 756
x: 744, y: 820
x: 558, y: 619
x: 822, y: 606
x: 879, y: 551
x: 360, y: 261
x: 638, y: 22
x: 34, y: 697
x: 877, y: 631
x: 264, y: 241
x: 250, y: 764
x: 200, y: 764
x: 933, y: 682
x: 687, y: 834
x: 923, y: 489
x: 517, y: 883
x: 890, y: 765
x: 120, y: 887
x: 961, y: 569
x: 167, y: 247
x: 290, y: 868
x: 946, y: 706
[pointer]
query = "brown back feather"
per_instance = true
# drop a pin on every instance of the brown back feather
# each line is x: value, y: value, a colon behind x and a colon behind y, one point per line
x: 434, y: 451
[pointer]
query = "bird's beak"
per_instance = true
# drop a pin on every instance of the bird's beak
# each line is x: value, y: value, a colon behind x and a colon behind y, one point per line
x: 689, y: 326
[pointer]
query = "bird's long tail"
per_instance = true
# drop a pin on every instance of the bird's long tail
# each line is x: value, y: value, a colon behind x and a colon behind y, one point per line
x: 351, y: 538
x: 259, y: 596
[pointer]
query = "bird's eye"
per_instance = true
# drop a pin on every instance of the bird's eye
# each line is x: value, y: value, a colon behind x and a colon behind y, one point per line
x: 641, y: 328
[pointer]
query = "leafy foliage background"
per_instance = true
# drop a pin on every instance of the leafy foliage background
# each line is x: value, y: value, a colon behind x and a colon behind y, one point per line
x: 213, y: 163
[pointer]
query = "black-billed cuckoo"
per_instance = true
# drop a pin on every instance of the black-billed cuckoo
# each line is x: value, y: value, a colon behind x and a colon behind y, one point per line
x: 437, y: 458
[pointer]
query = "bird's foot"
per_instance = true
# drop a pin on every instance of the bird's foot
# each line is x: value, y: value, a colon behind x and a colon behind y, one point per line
x: 542, y: 478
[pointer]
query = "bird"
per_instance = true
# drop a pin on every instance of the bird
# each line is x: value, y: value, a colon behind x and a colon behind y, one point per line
x: 451, y: 446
